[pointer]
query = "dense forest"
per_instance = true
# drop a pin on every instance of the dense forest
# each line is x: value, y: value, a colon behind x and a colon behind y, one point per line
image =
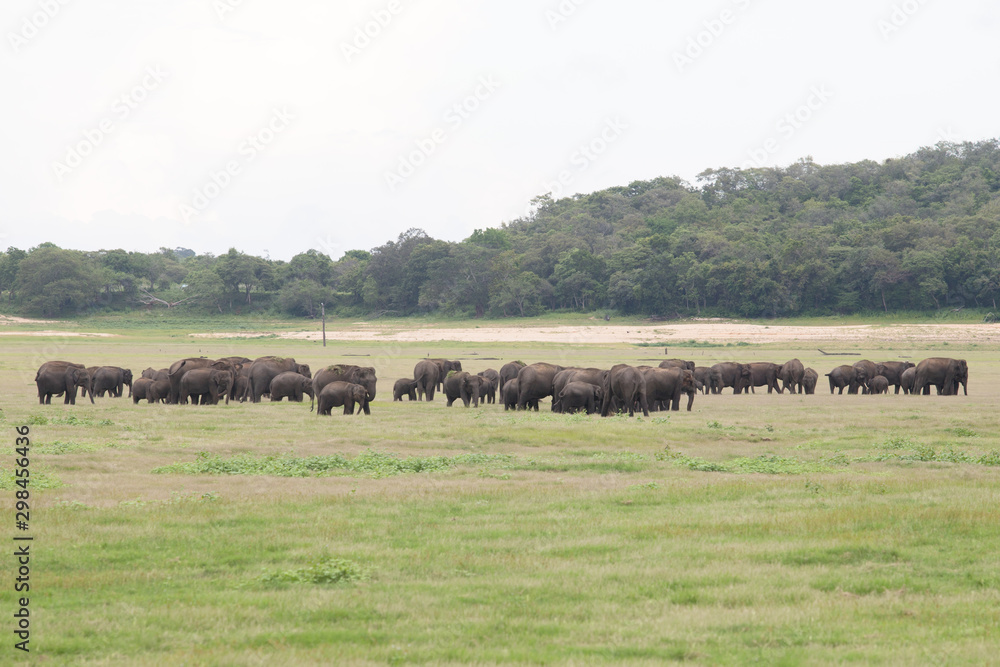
x: 920, y: 232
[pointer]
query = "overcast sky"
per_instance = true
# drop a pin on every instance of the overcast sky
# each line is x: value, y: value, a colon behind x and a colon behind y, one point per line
x: 275, y: 127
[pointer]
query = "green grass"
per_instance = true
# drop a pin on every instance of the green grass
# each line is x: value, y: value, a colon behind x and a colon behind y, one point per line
x: 368, y: 463
x: 771, y: 529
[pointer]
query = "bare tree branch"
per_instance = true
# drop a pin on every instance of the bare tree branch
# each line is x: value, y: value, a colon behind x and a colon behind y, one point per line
x: 149, y: 299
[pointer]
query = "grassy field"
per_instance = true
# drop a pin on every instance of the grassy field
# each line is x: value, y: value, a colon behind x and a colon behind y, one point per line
x: 762, y: 528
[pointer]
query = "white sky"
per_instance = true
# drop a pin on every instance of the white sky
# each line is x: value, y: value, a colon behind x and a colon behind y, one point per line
x: 200, y: 77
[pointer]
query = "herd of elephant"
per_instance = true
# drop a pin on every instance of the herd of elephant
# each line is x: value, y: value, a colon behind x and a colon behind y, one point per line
x: 520, y: 386
x: 630, y: 388
x: 207, y: 381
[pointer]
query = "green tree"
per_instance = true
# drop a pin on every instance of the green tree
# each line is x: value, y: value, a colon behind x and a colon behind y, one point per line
x: 242, y: 272
x: 9, y: 263
x: 53, y: 282
x: 203, y: 285
x: 580, y: 279
x: 303, y: 296
x: 522, y: 293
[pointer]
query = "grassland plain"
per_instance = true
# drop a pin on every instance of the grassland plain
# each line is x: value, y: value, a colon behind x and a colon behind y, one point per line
x: 761, y: 528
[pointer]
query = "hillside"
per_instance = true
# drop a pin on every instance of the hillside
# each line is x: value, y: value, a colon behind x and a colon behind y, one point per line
x: 917, y: 233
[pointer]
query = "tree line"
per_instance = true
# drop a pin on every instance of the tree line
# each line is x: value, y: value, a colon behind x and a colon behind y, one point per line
x: 916, y: 233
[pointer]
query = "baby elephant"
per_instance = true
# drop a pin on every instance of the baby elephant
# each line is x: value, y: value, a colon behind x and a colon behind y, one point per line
x: 293, y: 386
x: 404, y: 387
x: 809, y: 379
x: 878, y: 385
x: 460, y: 384
x: 139, y: 388
x: 581, y: 396
x: 340, y: 393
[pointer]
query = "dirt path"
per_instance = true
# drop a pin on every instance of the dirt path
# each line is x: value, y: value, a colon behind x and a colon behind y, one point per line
x: 711, y: 332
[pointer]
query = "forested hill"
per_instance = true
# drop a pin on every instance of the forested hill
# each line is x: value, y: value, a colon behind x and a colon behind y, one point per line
x: 915, y: 233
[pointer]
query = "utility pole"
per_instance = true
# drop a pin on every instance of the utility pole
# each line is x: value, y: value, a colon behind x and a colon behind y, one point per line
x: 322, y: 310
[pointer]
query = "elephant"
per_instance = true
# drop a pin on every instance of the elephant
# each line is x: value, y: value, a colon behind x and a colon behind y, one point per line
x: 139, y: 389
x: 535, y: 382
x: 847, y: 376
x: 111, y: 379
x: 180, y: 367
x: 491, y: 385
x: 91, y: 370
x: 594, y: 376
x: 729, y: 374
x: 791, y: 374
x: 236, y: 362
x: 460, y: 384
x: 508, y: 395
x: 265, y: 369
x: 763, y: 374
x: 508, y: 372
x: 241, y: 369
x: 337, y: 393
x: 576, y: 396
x: 677, y: 363
x: 702, y: 378
x: 208, y: 384
x: 404, y: 387
x: 625, y: 385
x: 241, y: 388
x: 444, y: 367
x: 241, y: 383
x: 55, y: 378
x: 878, y: 385
x: 893, y: 371
x: 158, y: 392
x: 906, y: 379
x: 293, y: 386
x: 809, y: 379
x: 153, y: 374
x: 664, y: 386
x: 865, y: 371
x: 362, y: 375
x: 488, y: 389
x: 426, y: 374
x: 944, y: 373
